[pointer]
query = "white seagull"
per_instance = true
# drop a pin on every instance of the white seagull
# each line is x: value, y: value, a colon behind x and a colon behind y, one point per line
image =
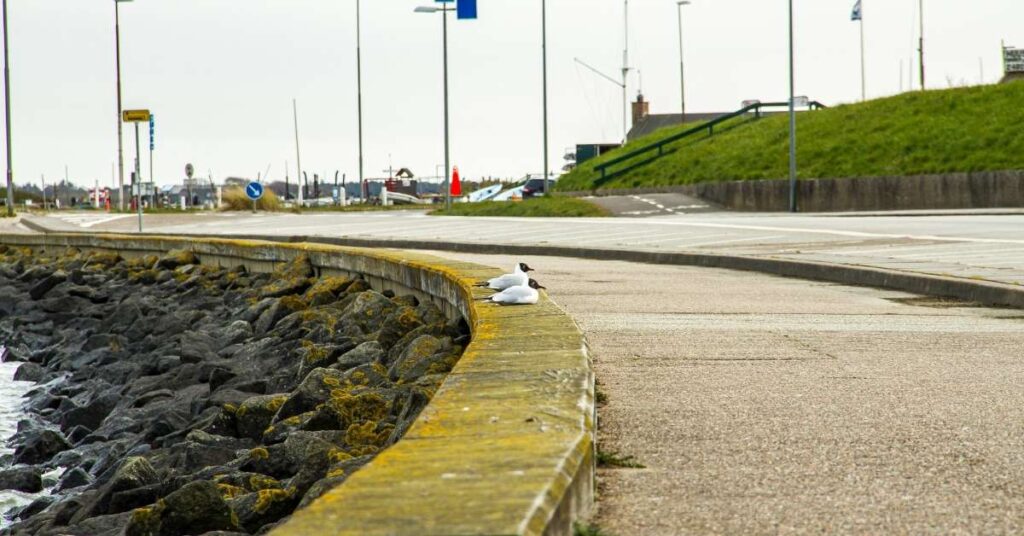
x: 521, y: 295
x: 518, y: 278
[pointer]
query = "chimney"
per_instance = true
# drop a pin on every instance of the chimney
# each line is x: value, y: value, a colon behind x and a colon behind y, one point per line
x: 641, y: 108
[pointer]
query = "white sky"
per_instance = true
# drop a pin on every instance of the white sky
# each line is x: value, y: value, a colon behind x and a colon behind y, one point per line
x: 220, y: 76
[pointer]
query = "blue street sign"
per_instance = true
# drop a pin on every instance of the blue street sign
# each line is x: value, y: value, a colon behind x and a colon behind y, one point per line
x: 152, y: 130
x: 254, y: 190
x: 466, y: 9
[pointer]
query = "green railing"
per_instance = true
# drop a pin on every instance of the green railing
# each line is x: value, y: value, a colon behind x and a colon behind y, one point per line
x: 658, y: 147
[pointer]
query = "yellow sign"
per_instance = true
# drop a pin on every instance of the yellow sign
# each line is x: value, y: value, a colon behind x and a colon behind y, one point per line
x: 135, y: 116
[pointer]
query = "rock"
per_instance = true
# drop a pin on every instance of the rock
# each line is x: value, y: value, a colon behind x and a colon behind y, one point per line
x: 73, y: 478
x: 176, y: 258
x: 196, y: 508
x: 369, y: 310
x: 39, y: 447
x: 197, y: 347
x: 269, y: 318
x: 364, y: 354
x: 314, y: 390
x: 44, y: 286
x: 339, y: 473
x: 36, y: 506
x: 90, y: 415
x: 255, y: 414
x: 88, y: 293
x: 420, y: 350
x: 255, y: 510
x: 236, y: 332
x: 29, y: 372
x: 135, y: 472
x: 27, y: 479
x: 157, y: 394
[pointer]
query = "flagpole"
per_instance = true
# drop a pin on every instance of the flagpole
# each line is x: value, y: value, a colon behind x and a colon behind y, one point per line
x: 863, y: 68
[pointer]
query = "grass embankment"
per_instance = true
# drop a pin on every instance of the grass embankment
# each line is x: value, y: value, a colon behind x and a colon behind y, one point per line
x: 540, y: 207
x: 955, y: 130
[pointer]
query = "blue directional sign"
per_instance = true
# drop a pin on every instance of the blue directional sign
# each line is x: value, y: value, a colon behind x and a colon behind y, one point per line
x: 254, y: 190
x: 466, y: 9
x: 152, y: 131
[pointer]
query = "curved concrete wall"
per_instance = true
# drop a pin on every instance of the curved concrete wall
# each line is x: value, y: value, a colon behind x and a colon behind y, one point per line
x: 506, y: 446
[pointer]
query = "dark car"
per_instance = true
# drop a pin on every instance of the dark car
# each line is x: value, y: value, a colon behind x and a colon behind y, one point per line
x: 533, y: 188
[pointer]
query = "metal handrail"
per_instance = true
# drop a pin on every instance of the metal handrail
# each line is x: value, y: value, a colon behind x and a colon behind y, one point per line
x: 709, y: 126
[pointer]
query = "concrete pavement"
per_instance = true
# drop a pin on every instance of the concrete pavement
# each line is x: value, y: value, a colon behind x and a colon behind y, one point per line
x: 764, y: 405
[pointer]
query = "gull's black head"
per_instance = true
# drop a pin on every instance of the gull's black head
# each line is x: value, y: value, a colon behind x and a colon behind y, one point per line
x: 525, y: 268
x: 534, y: 284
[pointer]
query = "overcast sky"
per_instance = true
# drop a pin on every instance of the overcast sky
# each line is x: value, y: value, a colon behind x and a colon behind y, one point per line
x: 220, y: 76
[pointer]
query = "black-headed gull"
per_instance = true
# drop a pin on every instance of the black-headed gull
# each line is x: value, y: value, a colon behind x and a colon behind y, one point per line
x: 518, y: 278
x: 521, y: 295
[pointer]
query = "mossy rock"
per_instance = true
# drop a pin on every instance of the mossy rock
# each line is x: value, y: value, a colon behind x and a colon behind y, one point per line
x: 279, y: 431
x: 176, y: 258
x: 314, y: 390
x: 421, y: 349
x: 104, y: 259
x: 255, y: 414
x: 256, y: 510
x: 326, y: 290
x: 196, y: 508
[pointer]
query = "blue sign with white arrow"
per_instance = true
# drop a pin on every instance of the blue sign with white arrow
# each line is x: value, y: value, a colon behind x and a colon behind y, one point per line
x: 254, y: 191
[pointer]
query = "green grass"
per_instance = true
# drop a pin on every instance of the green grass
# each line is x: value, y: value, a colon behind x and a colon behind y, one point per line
x: 360, y: 208
x: 955, y: 130
x: 614, y: 460
x: 539, y: 207
x: 586, y: 529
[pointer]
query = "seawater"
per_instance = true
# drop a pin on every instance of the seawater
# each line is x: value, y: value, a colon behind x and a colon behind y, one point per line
x: 11, y: 410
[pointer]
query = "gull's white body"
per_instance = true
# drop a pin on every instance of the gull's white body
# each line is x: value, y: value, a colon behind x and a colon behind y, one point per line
x: 518, y: 278
x: 521, y: 295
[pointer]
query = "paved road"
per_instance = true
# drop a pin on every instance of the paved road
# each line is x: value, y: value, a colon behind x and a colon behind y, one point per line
x: 979, y: 246
x: 763, y: 405
x: 653, y: 205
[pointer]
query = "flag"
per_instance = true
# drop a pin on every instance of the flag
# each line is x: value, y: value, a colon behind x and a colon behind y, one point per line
x: 456, y: 183
x: 858, y: 13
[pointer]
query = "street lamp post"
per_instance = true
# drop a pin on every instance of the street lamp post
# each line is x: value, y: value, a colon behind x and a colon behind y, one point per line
x: 7, y: 108
x: 447, y: 145
x: 544, y: 62
x: 792, y: 117
x: 359, y: 90
x: 120, y: 141
x: 682, y: 76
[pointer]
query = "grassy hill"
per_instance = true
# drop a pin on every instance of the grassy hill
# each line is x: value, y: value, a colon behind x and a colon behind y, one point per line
x: 955, y: 130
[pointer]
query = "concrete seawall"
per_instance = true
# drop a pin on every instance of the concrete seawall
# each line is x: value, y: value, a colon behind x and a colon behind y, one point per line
x: 506, y: 446
x: 983, y: 189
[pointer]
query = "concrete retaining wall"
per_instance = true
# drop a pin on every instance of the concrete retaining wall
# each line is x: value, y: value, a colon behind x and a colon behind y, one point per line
x: 506, y: 446
x: 983, y: 189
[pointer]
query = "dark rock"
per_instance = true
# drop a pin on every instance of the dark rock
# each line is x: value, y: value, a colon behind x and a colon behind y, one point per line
x: 194, y: 509
x: 197, y: 347
x: 369, y: 310
x: 365, y: 353
x: 90, y: 415
x: 157, y: 394
x: 340, y: 473
x: 314, y: 390
x: 419, y: 350
x: 44, y: 286
x: 255, y: 414
x: 176, y: 258
x: 36, y: 506
x: 29, y: 372
x: 134, y: 472
x: 219, y: 376
x: 256, y: 510
x: 269, y: 318
x: 27, y: 479
x: 39, y: 447
x: 73, y: 478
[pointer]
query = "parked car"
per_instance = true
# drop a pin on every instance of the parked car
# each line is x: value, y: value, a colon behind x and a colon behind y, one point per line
x: 533, y: 188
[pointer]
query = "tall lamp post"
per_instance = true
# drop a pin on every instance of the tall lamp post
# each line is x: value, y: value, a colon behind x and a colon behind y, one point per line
x: 120, y: 141
x: 921, y: 43
x: 7, y: 107
x: 447, y: 145
x: 792, y: 117
x: 544, y: 63
x: 682, y: 73
x: 363, y: 191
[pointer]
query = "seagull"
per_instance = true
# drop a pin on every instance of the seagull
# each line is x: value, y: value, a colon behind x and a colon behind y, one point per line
x: 521, y: 295
x: 518, y: 278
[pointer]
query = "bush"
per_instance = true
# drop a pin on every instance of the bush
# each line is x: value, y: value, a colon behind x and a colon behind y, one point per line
x: 235, y: 199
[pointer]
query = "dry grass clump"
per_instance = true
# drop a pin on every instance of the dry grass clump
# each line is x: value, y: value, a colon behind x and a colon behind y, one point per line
x: 235, y: 199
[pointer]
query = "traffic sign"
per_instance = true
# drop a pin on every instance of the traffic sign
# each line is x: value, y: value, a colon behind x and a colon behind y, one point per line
x: 152, y: 132
x: 466, y: 9
x: 135, y: 116
x: 254, y: 191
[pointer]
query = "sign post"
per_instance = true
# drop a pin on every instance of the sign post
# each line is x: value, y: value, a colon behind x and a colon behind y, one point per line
x: 152, y: 145
x: 254, y: 191
x: 189, y: 171
x: 137, y: 116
